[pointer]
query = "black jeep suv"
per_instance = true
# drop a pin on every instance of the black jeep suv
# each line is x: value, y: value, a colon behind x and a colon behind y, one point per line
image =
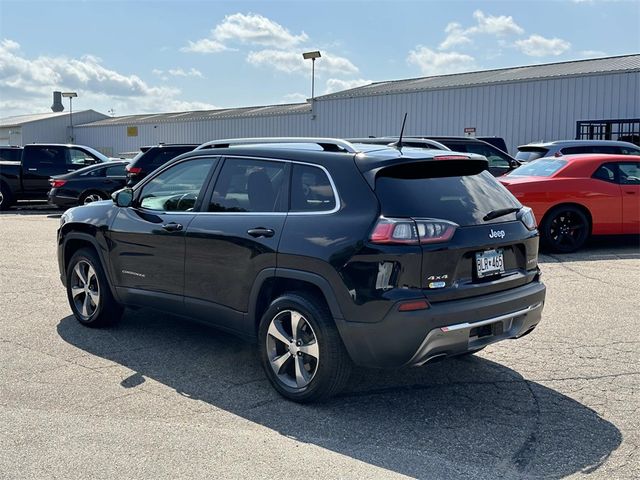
x: 324, y: 251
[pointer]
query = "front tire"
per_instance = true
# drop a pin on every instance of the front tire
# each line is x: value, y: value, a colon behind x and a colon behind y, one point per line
x: 301, y: 350
x: 565, y: 229
x: 6, y: 198
x: 88, y: 291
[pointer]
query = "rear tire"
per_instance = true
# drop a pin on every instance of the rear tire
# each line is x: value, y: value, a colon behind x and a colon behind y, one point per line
x: 88, y: 291
x: 301, y: 350
x: 565, y: 229
x: 6, y: 198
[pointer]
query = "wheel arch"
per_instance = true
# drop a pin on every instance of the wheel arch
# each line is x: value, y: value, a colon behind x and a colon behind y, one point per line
x: 579, y: 206
x: 74, y: 241
x: 273, y: 282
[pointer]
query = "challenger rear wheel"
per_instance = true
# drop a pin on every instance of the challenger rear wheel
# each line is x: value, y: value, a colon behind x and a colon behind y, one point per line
x: 565, y: 229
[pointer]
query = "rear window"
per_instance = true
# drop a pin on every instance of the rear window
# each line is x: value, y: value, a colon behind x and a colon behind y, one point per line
x: 544, y: 167
x: 529, y: 154
x: 157, y: 157
x: 464, y: 200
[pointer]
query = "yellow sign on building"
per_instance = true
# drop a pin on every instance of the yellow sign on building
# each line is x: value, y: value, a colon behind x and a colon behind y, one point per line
x: 132, y: 131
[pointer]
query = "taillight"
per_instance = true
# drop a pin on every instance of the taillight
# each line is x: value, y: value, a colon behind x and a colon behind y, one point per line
x: 435, y: 231
x: 528, y: 218
x: 407, y: 231
x: 134, y: 170
x: 56, y: 183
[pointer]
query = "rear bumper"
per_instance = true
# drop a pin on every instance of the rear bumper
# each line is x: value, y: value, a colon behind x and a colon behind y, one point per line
x: 61, y: 201
x: 445, y: 329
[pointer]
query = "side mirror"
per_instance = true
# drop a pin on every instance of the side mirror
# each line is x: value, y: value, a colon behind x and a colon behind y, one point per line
x: 123, y: 198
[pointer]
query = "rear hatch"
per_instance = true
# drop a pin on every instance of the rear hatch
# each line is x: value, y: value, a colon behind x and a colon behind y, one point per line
x: 471, y: 229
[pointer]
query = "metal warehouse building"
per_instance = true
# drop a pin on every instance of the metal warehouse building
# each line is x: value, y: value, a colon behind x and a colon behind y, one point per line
x: 521, y: 104
x: 52, y: 127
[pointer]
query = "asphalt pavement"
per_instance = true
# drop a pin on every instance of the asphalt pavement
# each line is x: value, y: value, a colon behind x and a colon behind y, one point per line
x: 159, y: 397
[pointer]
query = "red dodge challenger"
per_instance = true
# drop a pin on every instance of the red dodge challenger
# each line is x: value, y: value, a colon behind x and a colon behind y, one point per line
x: 575, y: 196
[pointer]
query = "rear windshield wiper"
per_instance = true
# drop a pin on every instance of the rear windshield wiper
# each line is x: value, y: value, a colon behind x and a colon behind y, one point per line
x: 501, y: 212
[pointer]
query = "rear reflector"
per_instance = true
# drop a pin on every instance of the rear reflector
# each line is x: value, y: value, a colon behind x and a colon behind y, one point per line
x: 413, y: 305
x: 134, y: 170
x: 56, y: 183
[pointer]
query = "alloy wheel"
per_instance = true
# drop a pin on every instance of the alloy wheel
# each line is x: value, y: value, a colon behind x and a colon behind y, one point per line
x: 92, y: 197
x: 292, y: 349
x: 567, y: 230
x: 85, y: 289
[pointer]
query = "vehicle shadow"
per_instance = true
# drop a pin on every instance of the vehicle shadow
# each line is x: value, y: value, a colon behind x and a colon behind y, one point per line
x: 470, y: 417
x: 606, y: 247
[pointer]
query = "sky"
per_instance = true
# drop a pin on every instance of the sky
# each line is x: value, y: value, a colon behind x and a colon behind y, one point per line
x: 130, y: 57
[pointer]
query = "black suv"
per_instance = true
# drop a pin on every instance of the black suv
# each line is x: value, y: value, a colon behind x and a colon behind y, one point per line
x: 324, y: 251
x: 153, y: 157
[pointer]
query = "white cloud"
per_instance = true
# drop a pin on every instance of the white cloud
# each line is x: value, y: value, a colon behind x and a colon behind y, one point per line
x: 495, y: 25
x: 456, y: 35
x: 539, y: 46
x: 26, y: 85
x: 437, y: 63
x: 252, y: 29
x: 500, y: 25
x: 593, y: 53
x: 256, y: 30
x: 337, y: 84
x: 179, y: 72
x: 204, y: 45
x: 292, y: 62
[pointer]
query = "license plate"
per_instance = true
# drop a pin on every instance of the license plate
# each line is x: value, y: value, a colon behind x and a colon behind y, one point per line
x: 489, y: 262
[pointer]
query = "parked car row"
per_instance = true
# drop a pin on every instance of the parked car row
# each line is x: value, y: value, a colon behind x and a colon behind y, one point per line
x: 25, y: 171
x: 571, y: 202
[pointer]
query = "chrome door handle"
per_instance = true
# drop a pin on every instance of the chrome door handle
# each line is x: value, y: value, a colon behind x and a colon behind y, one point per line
x: 261, y: 232
x: 172, y: 227
x: 32, y: 169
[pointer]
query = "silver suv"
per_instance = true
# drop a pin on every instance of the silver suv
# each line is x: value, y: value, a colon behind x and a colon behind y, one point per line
x: 533, y: 151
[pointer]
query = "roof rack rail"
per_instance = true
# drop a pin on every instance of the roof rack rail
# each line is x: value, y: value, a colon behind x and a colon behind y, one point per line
x: 327, y: 144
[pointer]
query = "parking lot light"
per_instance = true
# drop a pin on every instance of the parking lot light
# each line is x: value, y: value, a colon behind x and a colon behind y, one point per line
x: 312, y: 55
x: 70, y: 96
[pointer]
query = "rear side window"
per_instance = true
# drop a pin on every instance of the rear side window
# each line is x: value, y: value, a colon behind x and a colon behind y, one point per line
x: 117, y: 171
x: 311, y: 190
x: 544, y: 167
x: 249, y: 185
x: 10, y: 154
x: 464, y: 200
x: 629, y: 173
x: 529, y: 154
x: 53, y: 155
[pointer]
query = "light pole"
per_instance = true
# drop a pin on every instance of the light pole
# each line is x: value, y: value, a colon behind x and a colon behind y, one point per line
x: 312, y: 55
x: 70, y: 96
